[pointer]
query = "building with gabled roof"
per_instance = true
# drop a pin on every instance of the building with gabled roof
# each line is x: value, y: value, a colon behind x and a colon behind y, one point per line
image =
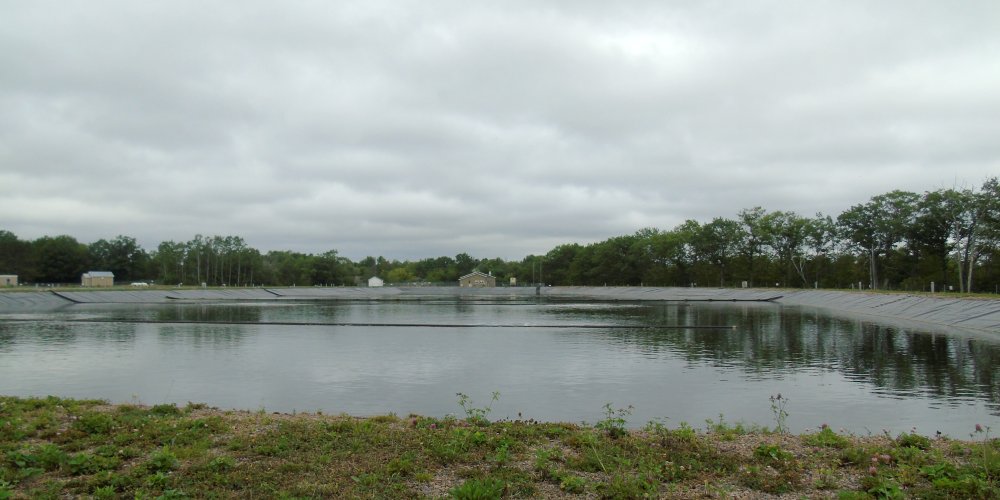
x: 476, y: 279
x: 98, y: 279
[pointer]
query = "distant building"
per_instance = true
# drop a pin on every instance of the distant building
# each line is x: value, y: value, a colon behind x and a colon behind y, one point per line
x: 8, y: 280
x: 97, y: 279
x: 477, y: 279
x: 375, y: 281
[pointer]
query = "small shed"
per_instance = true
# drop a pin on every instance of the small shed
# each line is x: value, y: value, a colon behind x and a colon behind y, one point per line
x: 477, y: 279
x: 98, y: 279
x: 376, y: 281
x: 8, y: 280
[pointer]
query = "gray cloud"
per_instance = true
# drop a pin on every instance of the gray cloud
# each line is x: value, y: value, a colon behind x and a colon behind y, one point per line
x: 433, y: 128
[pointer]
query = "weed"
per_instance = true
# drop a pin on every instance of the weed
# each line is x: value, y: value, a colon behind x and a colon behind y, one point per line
x: 881, y: 486
x: 988, y: 456
x: 165, y: 409
x: 572, y: 484
x: 827, y: 438
x: 913, y: 440
x: 403, y: 465
x: 476, y: 415
x: 479, y: 489
x: 769, y: 479
x: 94, y: 423
x: 222, y: 463
x: 158, y: 480
x: 104, y: 493
x: 162, y: 460
x: 628, y: 486
x: 772, y: 452
x: 778, y: 405
x: 725, y: 430
x: 827, y: 479
x: 614, y: 421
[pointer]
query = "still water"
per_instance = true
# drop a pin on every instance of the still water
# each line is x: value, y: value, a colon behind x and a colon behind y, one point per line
x: 553, y: 361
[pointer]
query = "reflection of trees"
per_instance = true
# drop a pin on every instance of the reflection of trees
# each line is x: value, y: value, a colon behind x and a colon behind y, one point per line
x: 771, y: 341
x: 204, y: 335
x: 6, y: 337
x: 209, y: 313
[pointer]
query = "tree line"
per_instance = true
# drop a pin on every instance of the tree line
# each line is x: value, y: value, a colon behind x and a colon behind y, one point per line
x: 897, y: 240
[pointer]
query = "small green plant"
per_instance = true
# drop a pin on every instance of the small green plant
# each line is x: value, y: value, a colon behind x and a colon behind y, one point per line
x: 159, y: 480
x: 778, y: 405
x: 165, y: 410
x: 105, y: 492
x: 222, y: 463
x: 826, y: 480
x: 476, y: 415
x: 614, y: 421
x: 881, y: 486
x: 724, y: 430
x: 913, y: 440
x: 772, y: 452
x: 479, y: 489
x: 162, y: 460
x: 94, y: 423
x: 827, y: 438
x: 989, y: 456
x: 572, y: 484
x: 628, y: 486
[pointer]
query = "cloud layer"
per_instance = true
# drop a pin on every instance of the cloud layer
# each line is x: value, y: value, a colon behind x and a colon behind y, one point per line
x: 419, y: 129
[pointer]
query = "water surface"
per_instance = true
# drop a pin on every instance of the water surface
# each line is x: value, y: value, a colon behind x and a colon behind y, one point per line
x: 563, y: 361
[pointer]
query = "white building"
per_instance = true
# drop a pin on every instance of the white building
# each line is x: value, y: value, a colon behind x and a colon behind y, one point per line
x: 8, y: 280
x: 375, y: 281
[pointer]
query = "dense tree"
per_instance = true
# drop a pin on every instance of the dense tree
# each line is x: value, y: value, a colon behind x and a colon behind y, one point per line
x: 714, y: 246
x: 16, y: 256
x: 122, y: 256
x: 786, y: 234
x: 59, y: 259
x: 877, y: 227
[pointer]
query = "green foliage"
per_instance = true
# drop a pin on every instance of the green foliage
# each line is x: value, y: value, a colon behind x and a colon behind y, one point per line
x: 628, y: 486
x: 778, y: 405
x: 165, y: 453
x: 165, y: 409
x: 479, y: 489
x: 95, y: 423
x: 913, y: 440
x: 162, y: 460
x: 882, y: 486
x: 827, y: 438
x: 476, y: 415
x: 222, y: 463
x: 772, y: 452
x: 724, y: 429
x: 615, y: 420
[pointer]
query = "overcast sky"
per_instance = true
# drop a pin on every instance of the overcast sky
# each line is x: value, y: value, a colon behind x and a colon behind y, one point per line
x: 415, y: 129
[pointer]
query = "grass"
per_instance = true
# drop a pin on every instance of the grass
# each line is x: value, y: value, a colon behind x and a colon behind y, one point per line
x: 55, y: 448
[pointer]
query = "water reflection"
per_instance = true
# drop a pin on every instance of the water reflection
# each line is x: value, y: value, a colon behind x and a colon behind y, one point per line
x: 666, y: 358
x: 769, y: 342
x: 209, y: 313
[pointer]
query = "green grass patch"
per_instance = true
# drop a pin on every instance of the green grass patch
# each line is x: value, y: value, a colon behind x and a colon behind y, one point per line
x: 56, y: 448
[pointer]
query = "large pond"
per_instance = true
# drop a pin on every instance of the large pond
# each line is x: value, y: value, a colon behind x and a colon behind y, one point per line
x: 553, y: 361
